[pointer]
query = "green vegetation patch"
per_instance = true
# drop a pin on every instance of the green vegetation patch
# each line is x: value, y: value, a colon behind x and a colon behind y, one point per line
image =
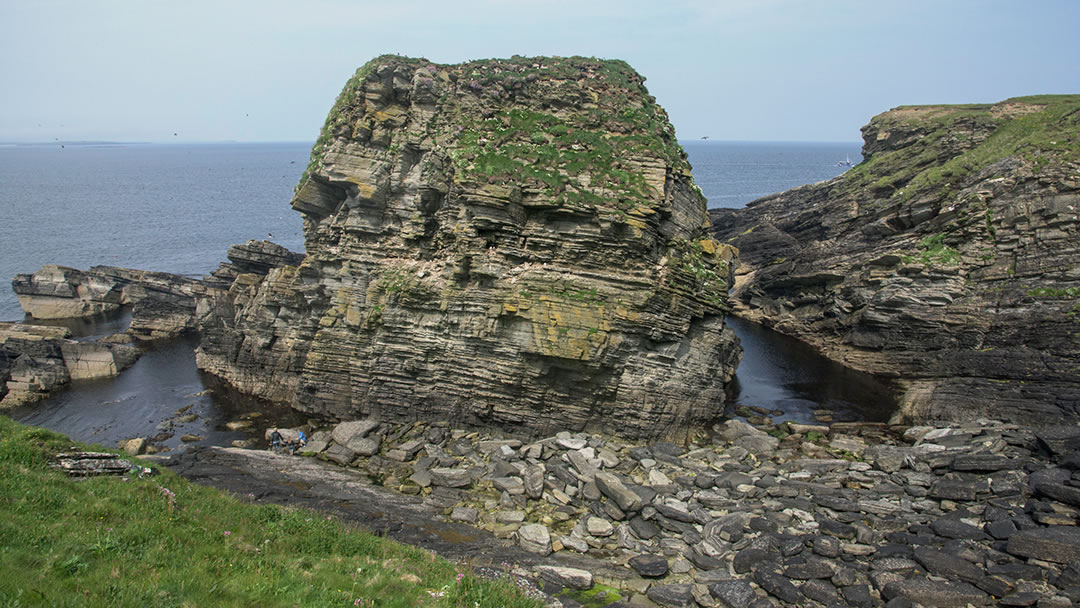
x: 161, y: 541
x: 934, y: 252
x: 596, y: 597
x: 1043, y: 130
x: 571, y: 130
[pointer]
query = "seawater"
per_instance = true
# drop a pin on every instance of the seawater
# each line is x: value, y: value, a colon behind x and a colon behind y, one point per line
x: 170, y: 208
x: 177, y: 208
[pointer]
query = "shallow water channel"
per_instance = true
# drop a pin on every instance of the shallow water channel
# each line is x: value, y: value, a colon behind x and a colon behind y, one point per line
x: 786, y: 376
x: 777, y: 373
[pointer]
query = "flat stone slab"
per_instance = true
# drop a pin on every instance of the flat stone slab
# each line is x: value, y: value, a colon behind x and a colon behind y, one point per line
x: 941, y: 594
x: 573, y: 578
x: 1059, y: 544
x: 352, y: 429
x: 451, y: 478
x: 651, y: 566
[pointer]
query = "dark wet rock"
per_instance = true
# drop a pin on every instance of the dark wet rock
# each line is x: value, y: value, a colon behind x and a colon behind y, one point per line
x: 826, y: 546
x: 732, y: 594
x: 1023, y: 598
x: 810, y: 569
x: 1059, y: 544
x: 857, y: 595
x: 650, y: 566
x: 951, y: 528
x: 644, y: 529
x: 820, y: 591
x: 953, y: 489
x: 940, y: 594
x: 836, y: 528
x: 1060, y: 439
x: 746, y: 559
x: 986, y: 463
x: 672, y: 596
x: 994, y: 584
x: 947, y: 565
x: 1000, y: 530
x: 1067, y: 494
x: 776, y: 585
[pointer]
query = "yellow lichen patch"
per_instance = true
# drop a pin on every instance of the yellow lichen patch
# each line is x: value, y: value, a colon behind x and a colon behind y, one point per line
x: 708, y: 246
x: 395, y: 114
x: 365, y: 190
x: 562, y: 327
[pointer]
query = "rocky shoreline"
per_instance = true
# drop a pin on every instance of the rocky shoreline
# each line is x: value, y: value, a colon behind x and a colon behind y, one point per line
x: 848, y: 514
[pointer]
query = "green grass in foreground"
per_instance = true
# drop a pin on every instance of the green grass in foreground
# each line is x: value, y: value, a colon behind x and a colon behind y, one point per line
x: 161, y: 541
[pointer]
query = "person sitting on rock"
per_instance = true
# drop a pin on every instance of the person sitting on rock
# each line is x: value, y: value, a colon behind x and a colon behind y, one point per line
x: 275, y: 441
x: 301, y: 440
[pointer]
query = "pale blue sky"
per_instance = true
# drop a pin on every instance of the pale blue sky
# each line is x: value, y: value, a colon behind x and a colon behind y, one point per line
x: 269, y: 70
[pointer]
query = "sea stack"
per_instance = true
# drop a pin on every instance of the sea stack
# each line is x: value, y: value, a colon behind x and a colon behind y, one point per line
x: 949, y: 258
x: 509, y: 242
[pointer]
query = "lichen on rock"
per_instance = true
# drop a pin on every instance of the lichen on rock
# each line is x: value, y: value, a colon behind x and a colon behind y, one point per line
x: 947, y: 259
x: 501, y: 242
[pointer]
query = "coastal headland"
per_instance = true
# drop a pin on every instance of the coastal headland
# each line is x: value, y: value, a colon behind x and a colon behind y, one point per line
x: 510, y: 315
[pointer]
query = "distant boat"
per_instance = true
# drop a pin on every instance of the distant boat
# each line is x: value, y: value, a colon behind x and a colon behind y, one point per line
x: 846, y: 162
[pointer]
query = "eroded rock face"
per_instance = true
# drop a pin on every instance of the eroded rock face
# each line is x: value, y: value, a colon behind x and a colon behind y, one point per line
x: 162, y: 304
x: 950, y: 257
x: 36, y: 360
x: 506, y: 242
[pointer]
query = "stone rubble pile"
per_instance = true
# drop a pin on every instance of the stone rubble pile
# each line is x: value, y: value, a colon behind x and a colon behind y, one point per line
x: 852, y: 514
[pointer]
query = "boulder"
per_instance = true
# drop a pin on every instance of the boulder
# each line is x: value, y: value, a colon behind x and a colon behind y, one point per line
x: 534, y: 538
x: 345, y: 432
x: 613, y: 488
x: 134, y: 447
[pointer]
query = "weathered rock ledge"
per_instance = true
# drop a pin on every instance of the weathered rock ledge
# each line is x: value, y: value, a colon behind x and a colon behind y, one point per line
x: 502, y: 243
x: 949, y: 258
x: 36, y: 360
x: 854, y: 514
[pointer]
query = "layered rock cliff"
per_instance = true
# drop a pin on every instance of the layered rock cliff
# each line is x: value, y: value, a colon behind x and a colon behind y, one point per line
x: 949, y: 258
x: 501, y: 242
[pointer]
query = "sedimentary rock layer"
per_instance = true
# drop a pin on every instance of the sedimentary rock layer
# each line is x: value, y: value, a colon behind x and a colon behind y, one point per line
x: 36, y: 360
x: 504, y: 242
x: 950, y: 258
x: 162, y: 304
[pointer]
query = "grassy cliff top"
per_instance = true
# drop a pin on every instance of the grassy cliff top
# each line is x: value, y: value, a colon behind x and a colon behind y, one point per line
x: 575, y: 129
x: 911, y: 149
